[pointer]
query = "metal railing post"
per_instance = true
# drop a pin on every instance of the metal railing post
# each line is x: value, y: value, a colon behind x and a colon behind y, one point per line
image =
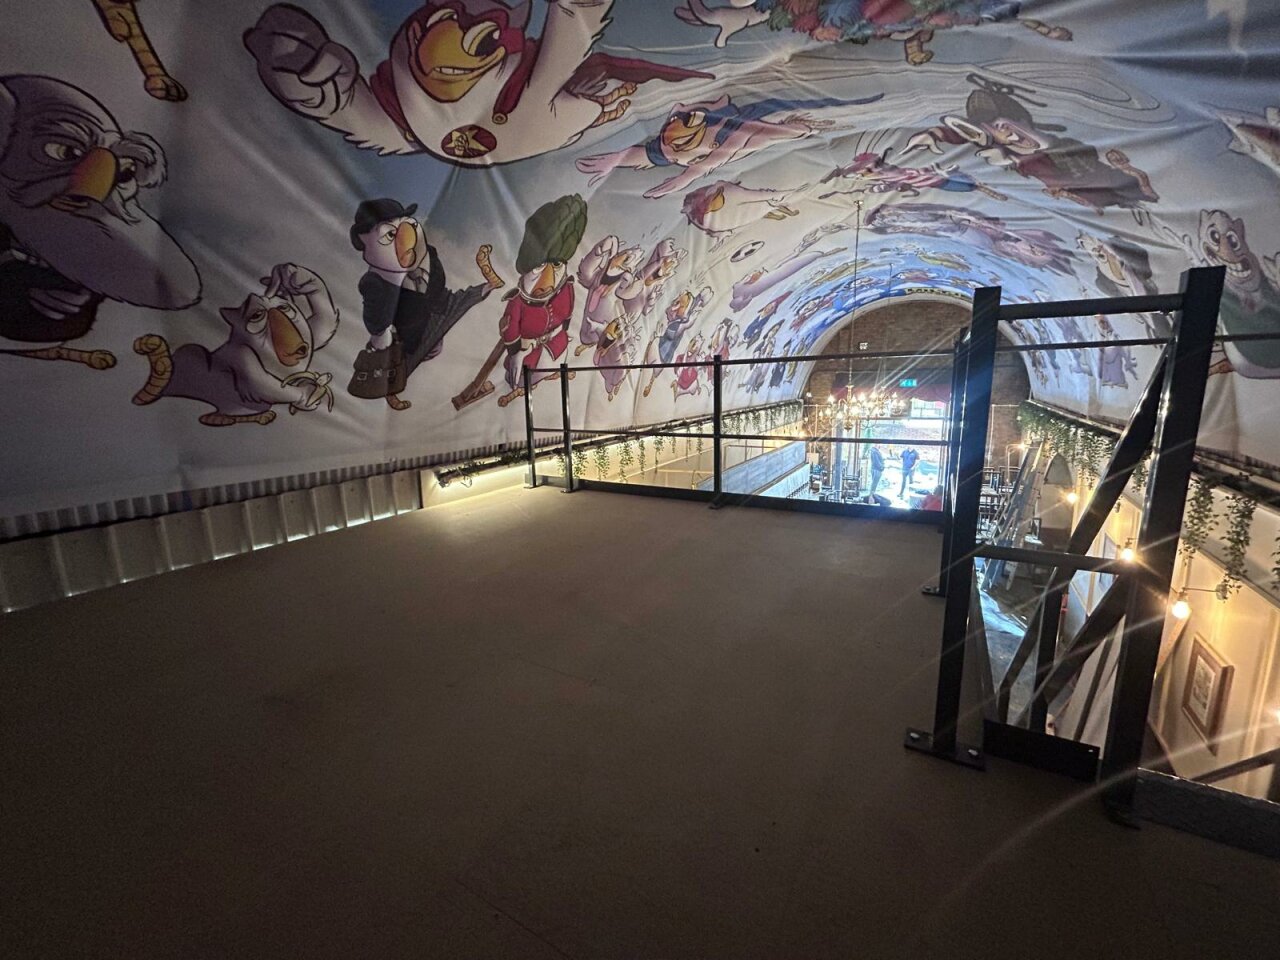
x: 528, y: 426
x: 955, y: 424
x: 717, y: 454
x: 1186, y: 372
x: 979, y: 373
x: 568, y: 440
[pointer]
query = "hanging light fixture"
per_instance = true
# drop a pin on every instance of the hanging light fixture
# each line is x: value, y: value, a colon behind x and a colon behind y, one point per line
x: 878, y: 403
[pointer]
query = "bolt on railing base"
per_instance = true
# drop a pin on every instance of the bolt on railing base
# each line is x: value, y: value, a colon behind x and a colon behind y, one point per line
x: 933, y: 591
x: 963, y: 754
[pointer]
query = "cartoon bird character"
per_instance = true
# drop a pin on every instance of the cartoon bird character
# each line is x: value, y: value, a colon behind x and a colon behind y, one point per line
x: 1256, y: 136
x: 682, y: 315
x: 723, y: 339
x: 702, y: 137
x: 607, y: 274
x: 686, y: 380
x: 265, y: 361
x: 463, y: 80
x: 1124, y: 270
x: 724, y: 207
x: 73, y: 232
x: 1006, y: 135
x: 761, y: 281
x: 873, y: 173
x: 535, y: 322
x: 408, y: 306
x: 912, y: 22
x: 661, y: 266
x: 120, y: 17
x: 1250, y: 298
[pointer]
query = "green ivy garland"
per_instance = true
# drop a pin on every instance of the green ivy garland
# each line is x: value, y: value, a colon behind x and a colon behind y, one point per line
x: 1140, y: 473
x: 640, y: 451
x: 1275, y: 567
x: 601, y: 456
x: 626, y: 457
x: 1236, y: 540
x: 579, y: 462
x: 1198, y: 519
x: 658, y: 444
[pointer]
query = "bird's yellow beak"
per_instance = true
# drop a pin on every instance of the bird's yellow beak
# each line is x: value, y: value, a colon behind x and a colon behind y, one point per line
x: 406, y: 244
x: 93, y: 178
x: 717, y: 201
x: 679, y: 135
x: 288, y: 344
x: 546, y: 281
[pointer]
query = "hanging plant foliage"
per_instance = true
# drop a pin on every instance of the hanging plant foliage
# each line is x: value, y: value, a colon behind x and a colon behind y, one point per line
x: 1198, y: 519
x: 626, y: 457
x: 601, y: 456
x: 579, y: 462
x: 1140, y: 472
x: 640, y: 453
x: 1236, y: 540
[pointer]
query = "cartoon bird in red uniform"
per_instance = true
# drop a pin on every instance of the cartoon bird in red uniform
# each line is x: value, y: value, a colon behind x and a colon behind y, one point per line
x: 462, y: 81
x: 534, y: 329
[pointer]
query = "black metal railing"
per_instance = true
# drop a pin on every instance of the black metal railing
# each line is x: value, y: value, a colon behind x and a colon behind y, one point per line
x: 717, y: 496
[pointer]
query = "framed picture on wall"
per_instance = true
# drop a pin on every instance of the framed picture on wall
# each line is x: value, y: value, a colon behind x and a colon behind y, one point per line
x: 1205, y: 693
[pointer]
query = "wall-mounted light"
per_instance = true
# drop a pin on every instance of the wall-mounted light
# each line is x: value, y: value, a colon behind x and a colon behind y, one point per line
x: 1127, y: 553
x: 1072, y: 497
x: 1181, y: 609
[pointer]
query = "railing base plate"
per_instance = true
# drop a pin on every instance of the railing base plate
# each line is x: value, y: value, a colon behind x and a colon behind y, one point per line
x: 963, y: 754
x: 933, y: 592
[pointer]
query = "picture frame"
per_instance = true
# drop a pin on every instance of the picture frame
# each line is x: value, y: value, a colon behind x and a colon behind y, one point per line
x: 1205, y: 691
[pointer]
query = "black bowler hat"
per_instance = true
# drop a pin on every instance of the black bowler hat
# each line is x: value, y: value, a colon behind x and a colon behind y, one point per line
x: 370, y: 213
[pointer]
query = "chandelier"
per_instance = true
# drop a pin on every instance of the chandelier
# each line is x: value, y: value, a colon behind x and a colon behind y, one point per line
x: 874, y: 404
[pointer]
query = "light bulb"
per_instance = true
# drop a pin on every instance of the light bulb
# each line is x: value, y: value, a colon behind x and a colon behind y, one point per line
x: 1181, y: 609
x: 1127, y: 555
x: 1072, y: 496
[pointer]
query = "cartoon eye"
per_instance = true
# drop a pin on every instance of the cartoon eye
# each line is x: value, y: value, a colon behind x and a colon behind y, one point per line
x: 1233, y: 241
x: 128, y: 170
x: 482, y: 39
x: 286, y: 309
x: 1214, y: 236
x: 696, y: 118
x: 57, y: 150
x: 387, y: 236
x: 439, y: 15
x: 257, y: 320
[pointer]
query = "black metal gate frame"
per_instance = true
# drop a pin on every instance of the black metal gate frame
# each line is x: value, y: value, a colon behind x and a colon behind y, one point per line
x: 1168, y: 418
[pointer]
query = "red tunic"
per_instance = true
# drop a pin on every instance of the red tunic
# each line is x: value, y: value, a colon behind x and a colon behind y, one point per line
x: 545, y: 324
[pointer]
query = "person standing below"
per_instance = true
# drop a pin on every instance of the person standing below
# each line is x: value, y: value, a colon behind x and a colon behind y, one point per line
x: 910, y: 457
x: 877, y: 469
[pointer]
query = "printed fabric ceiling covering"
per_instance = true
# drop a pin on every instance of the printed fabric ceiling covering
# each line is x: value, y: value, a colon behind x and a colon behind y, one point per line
x: 245, y: 240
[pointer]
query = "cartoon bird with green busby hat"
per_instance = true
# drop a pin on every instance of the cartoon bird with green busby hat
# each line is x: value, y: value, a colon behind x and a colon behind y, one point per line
x: 534, y: 325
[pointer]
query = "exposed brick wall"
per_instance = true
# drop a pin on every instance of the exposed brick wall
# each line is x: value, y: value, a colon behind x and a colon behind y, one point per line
x: 923, y: 325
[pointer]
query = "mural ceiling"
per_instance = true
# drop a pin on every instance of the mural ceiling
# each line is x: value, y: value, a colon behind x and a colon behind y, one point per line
x: 244, y: 239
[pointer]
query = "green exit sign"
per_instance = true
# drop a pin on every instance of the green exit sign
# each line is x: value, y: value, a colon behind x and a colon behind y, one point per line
x: 908, y: 382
